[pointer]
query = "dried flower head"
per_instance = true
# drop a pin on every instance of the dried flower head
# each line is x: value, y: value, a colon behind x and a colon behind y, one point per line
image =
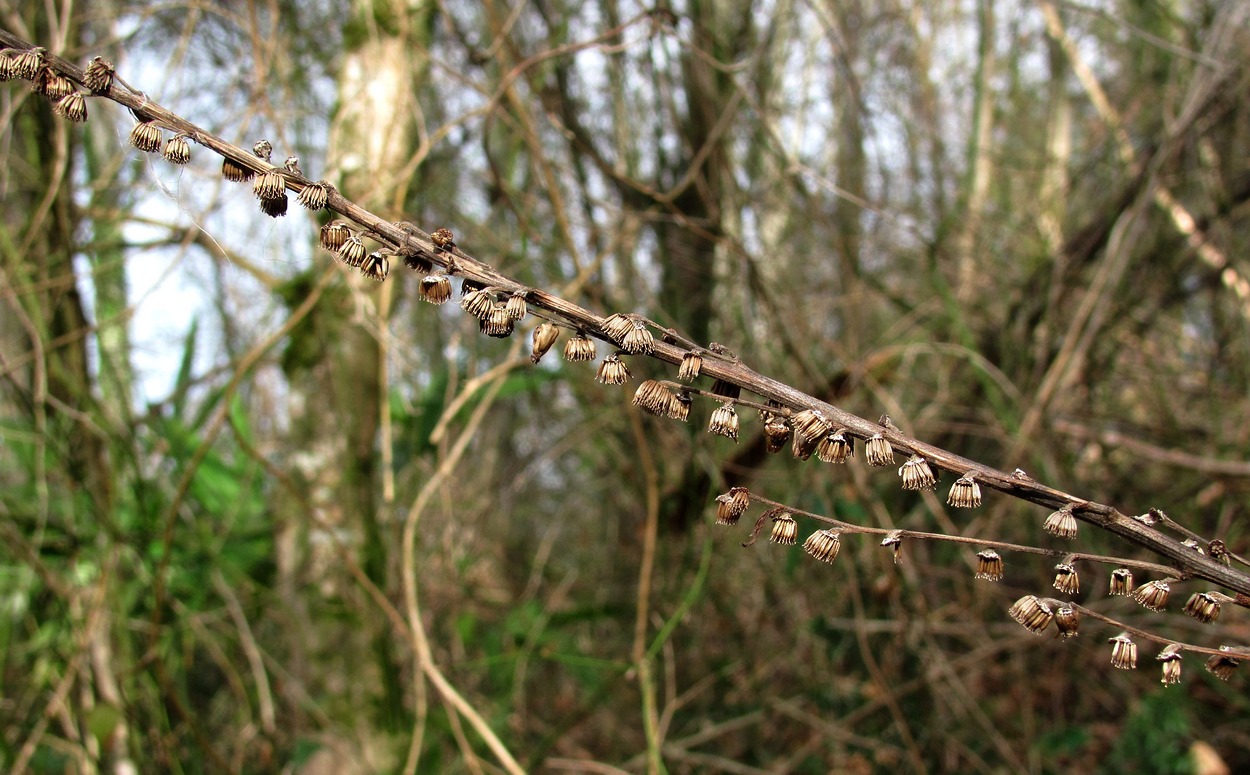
x: 579, y: 348
x: 434, y: 288
x: 234, y: 172
x: 177, y: 150
x: 989, y: 565
x: 1219, y: 552
x: 542, y: 340
x: 613, y: 371
x: 443, y: 239
x: 1222, y: 666
x: 877, y: 451
x: 823, y: 545
x: 498, y: 323
x: 917, y: 475
x: 51, y: 84
x: 1067, y: 621
x: 1121, y: 582
x: 516, y: 306
x: 274, y: 208
x: 1032, y: 612
x: 314, y: 196
x: 724, y: 421
x: 146, y: 136
x: 7, y: 72
x: 478, y: 302
x: 417, y: 262
x: 72, y: 107
x: 776, y: 433
x: 98, y: 76
x: 1153, y: 594
x: 965, y: 493
x: 1171, y: 659
x: 639, y: 339
x: 376, y: 266
x: 27, y: 64
x: 810, y: 426
x: 1061, y: 523
x: 1123, y: 652
x: 617, y: 325
x: 291, y: 165
x: 653, y: 398
x: 334, y: 234
x: 263, y: 149
x: 785, y: 530
x: 691, y: 365
x: 1205, y: 606
x: 269, y: 185
x: 680, y: 408
x: 894, y: 540
x: 352, y: 252
x: 732, y: 505
x: 836, y: 447
x: 1066, y: 579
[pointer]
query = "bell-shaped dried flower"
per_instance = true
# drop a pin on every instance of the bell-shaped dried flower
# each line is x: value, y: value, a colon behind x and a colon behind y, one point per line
x: 98, y: 77
x: 314, y: 196
x: 776, y: 433
x: 27, y: 64
x: 989, y: 565
x: 877, y: 451
x: 1032, y: 613
x: 810, y: 426
x: 177, y: 150
x: 836, y: 447
x: 1067, y: 621
x: 785, y: 530
x: 352, y: 252
x: 417, y: 262
x: 680, y: 408
x: 1123, y: 652
x: 638, y: 339
x: 894, y: 540
x: 51, y: 84
x: 1205, y: 606
x: 444, y: 240
x: 965, y: 493
x: 269, y: 185
x: 1066, y: 579
x: 274, y: 208
x: 1222, y: 666
x: 542, y: 340
x: 263, y: 149
x: 917, y: 475
x: 617, y: 325
x: 1218, y: 551
x: 516, y: 306
x: 1153, y: 594
x: 724, y: 421
x: 478, y: 302
x: 7, y: 70
x: 146, y: 136
x: 376, y: 266
x: 498, y: 323
x: 613, y: 371
x: 653, y: 398
x: 823, y: 545
x: 1171, y: 659
x: 235, y: 172
x: 691, y: 365
x: 434, y: 288
x: 72, y: 107
x: 1061, y: 523
x: 732, y: 505
x: 1121, y: 582
x: 334, y: 234
x: 579, y: 348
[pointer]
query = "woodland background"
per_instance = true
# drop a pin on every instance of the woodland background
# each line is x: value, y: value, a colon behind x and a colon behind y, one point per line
x: 968, y: 215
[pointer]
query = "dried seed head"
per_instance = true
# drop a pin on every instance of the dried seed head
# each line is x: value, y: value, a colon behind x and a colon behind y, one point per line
x: 1205, y: 606
x: 1066, y: 579
x: 334, y: 234
x: 1061, y: 523
x: 314, y: 196
x: 1222, y: 666
x: 27, y: 64
x: 823, y: 545
x: 235, y: 172
x: 785, y: 530
x: 177, y: 150
x: 613, y: 371
x: 443, y: 239
x: 579, y: 348
x: 917, y: 475
x: 776, y: 433
x: 544, y: 336
x: 98, y: 76
x: 434, y: 288
x: 724, y: 421
x: 1032, y: 612
x: 691, y: 365
x: 989, y: 565
x: 352, y: 251
x: 616, y: 326
x: 894, y: 540
x: 51, y: 84
x: 639, y: 339
x: 7, y: 72
x: 516, y: 305
x: 376, y: 266
x: 810, y: 427
x: 263, y: 149
x: 1123, y: 652
x: 146, y: 136
x: 274, y: 208
x: 72, y: 107
x: 680, y: 408
x: 498, y: 323
x: 878, y: 452
x: 1219, y: 552
x: 291, y: 165
x: 270, y: 185
x: 965, y: 493
x: 1121, y: 582
x: 730, y: 506
x: 1171, y: 659
x: 654, y: 398
x: 478, y: 302
x: 836, y: 447
x: 1067, y: 621
x: 1153, y: 594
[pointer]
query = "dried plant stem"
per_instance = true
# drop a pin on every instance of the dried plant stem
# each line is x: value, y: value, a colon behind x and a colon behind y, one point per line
x: 642, y: 659
x: 1240, y: 653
